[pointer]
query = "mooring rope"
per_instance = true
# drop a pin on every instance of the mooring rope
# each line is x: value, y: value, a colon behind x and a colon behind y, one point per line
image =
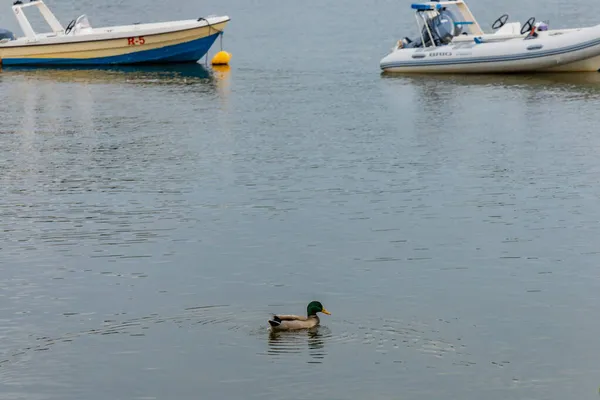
x: 210, y: 28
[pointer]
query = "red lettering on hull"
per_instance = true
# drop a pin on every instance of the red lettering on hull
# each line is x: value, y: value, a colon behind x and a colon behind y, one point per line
x: 136, y: 41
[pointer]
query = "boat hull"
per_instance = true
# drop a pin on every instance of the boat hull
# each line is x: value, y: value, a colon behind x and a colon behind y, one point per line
x: 573, y: 52
x: 188, y: 45
x: 588, y: 65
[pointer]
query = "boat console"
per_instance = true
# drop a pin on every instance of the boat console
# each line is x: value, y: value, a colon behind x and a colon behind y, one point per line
x: 439, y: 26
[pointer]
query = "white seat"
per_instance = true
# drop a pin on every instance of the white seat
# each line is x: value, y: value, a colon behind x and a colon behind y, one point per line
x: 512, y: 28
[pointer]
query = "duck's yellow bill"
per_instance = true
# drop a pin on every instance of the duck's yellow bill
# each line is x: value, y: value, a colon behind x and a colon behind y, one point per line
x: 324, y: 311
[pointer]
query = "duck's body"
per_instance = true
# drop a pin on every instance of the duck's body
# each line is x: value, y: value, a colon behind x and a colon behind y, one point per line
x: 288, y: 322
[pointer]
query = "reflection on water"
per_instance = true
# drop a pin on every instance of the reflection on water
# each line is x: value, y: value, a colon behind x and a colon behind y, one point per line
x: 587, y: 80
x: 281, y: 343
x: 530, y: 98
x: 189, y: 73
x: 222, y: 77
x: 49, y: 99
x: 221, y: 71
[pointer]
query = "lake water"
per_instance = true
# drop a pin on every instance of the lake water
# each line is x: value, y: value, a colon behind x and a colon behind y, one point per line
x: 153, y: 219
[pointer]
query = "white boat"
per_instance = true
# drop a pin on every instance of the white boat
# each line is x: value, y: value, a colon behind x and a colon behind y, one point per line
x: 452, y: 41
x: 79, y: 43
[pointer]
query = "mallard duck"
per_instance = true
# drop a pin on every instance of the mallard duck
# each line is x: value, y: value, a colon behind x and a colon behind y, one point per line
x: 288, y: 322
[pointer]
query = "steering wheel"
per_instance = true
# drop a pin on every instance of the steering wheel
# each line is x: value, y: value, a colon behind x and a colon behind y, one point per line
x: 501, y: 21
x: 69, y: 27
x: 528, y: 24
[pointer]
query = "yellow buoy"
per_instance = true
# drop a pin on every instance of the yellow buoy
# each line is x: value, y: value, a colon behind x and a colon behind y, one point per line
x: 221, y: 58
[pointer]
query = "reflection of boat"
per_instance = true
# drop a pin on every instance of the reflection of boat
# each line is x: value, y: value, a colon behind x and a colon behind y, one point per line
x: 147, y: 74
x: 79, y: 43
x: 451, y: 41
x: 437, y: 88
x: 548, y: 80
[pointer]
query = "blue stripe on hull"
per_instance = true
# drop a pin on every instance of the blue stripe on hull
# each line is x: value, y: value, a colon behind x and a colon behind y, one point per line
x: 191, y: 51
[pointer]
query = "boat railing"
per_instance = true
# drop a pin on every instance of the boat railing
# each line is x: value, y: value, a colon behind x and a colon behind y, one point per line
x: 426, y: 24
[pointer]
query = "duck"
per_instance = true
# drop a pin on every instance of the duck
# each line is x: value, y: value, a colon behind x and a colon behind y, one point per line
x: 287, y: 322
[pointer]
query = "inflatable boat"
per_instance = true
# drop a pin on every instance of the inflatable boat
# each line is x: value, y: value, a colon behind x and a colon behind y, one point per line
x: 452, y: 41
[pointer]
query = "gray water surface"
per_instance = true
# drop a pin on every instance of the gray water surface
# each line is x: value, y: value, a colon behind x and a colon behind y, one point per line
x: 152, y: 219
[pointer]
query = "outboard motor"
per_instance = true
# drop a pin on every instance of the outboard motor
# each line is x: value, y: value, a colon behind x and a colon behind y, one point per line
x: 6, y: 35
x: 442, y: 28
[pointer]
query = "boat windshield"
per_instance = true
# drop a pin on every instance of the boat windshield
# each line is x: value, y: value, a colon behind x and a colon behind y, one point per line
x: 83, y: 22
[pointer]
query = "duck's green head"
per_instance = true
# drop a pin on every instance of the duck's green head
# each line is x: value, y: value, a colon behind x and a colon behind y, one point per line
x: 314, y: 307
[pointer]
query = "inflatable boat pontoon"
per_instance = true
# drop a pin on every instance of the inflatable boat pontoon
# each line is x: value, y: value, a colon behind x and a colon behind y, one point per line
x: 451, y: 41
